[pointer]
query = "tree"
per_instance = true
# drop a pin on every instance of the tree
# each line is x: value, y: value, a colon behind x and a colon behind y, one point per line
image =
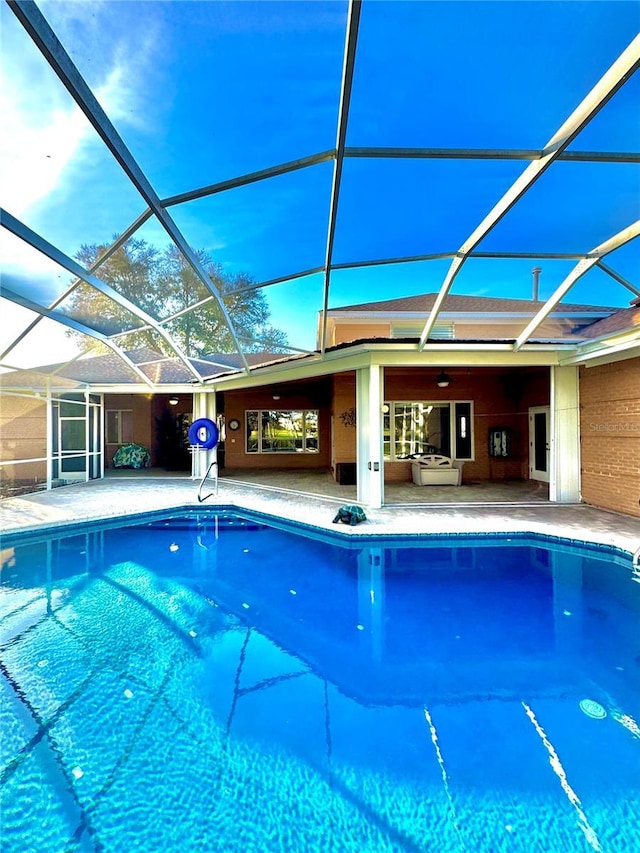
x: 163, y: 285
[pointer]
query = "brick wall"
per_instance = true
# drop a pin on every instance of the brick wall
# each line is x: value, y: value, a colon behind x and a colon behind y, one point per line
x: 294, y: 396
x: 23, y: 435
x: 610, y: 435
x: 501, y: 398
x: 344, y: 399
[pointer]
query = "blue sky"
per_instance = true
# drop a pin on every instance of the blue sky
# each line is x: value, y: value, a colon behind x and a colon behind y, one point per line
x: 203, y: 92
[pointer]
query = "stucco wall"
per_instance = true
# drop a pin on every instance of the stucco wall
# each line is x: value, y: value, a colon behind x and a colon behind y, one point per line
x: 342, y: 331
x: 345, y: 332
x: 143, y: 423
x: 610, y: 435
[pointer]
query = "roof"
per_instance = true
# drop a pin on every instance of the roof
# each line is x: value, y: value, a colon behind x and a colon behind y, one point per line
x: 469, y: 304
x: 621, y: 321
x: 109, y: 369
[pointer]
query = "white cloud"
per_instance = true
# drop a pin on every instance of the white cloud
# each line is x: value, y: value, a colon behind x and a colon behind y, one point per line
x: 44, y: 133
x: 46, y: 143
x: 41, y: 133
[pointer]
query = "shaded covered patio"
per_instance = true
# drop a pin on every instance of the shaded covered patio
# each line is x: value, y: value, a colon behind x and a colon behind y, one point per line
x: 322, y: 483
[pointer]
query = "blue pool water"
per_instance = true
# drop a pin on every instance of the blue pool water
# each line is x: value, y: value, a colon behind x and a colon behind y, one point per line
x: 209, y: 682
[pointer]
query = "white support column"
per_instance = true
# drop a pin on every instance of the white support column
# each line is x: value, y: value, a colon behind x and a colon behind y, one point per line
x: 49, y: 429
x: 199, y: 461
x: 87, y: 438
x: 103, y: 442
x: 564, y: 482
x: 211, y: 413
x: 370, y: 468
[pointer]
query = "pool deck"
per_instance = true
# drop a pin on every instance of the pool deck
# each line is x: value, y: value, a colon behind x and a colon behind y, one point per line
x: 113, y: 497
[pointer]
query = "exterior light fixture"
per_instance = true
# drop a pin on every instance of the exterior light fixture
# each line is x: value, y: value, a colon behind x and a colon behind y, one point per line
x: 443, y: 380
x: 385, y: 408
x: 173, y: 401
x: 276, y: 396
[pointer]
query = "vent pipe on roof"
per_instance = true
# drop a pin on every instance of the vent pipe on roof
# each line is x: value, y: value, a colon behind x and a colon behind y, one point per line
x: 536, y: 282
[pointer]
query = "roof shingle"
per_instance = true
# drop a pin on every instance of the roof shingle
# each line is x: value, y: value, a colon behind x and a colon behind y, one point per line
x: 426, y: 301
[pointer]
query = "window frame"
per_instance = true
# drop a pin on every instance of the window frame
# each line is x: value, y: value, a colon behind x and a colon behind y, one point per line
x: 107, y: 434
x: 454, y: 417
x: 307, y: 435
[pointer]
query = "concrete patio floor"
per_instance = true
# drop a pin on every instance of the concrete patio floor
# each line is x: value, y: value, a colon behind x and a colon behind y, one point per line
x: 127, y: 494
x: 406, y: 493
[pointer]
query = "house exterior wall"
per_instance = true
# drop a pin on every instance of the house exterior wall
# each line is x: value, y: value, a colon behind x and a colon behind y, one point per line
x: 23, y: 435
x: 344, y: 401
x: 237, y: 403
x: 554, y: 328
x: 610, y: 435
x: 344, y: 331
x: 143, y: 423
x: 499, y: 399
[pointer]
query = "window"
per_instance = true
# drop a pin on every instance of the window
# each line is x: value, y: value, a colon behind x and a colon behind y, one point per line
x: 282, y: 431
x: 439, y: 332
x: 414, y: 428
x: 119, y: 426
x: 462, y: 419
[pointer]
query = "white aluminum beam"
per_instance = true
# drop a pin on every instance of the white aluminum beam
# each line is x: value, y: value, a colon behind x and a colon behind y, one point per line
x: 250, y: 178
x: 280, y: 280
x: 353, y: 21
x: 32, y: 325
x: 404, y: 259
x: 45, y: 39
x: 67, y: 363
x: 19, y: 229
x: 620, y: 279
x: 384, y: 153
x: 621, y: 70
x: 77, y: 327
x: 577, y: 272
x: 107, y: 254
x: 624, y: 344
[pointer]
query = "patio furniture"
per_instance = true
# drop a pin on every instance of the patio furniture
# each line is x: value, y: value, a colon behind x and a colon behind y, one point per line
x: 433, y: 469
x: 346, y: 473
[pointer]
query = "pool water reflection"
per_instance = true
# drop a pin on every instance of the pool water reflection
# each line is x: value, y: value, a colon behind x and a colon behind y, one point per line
x: 212, y: 682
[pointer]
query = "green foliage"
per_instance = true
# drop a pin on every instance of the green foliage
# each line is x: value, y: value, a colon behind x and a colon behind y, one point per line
x: 163, y: 285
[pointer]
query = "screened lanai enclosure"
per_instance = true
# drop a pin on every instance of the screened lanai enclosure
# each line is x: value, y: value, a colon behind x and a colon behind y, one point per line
x: 190, y: 189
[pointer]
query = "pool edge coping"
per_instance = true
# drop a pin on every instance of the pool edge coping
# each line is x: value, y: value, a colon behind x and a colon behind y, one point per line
x: 349, y: 534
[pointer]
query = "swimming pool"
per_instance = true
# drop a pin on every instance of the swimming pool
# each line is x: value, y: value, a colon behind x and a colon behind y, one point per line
x: 211, y: 682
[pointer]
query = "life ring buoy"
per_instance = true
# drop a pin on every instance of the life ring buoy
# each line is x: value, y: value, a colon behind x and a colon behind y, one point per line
x: 203, y: 433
